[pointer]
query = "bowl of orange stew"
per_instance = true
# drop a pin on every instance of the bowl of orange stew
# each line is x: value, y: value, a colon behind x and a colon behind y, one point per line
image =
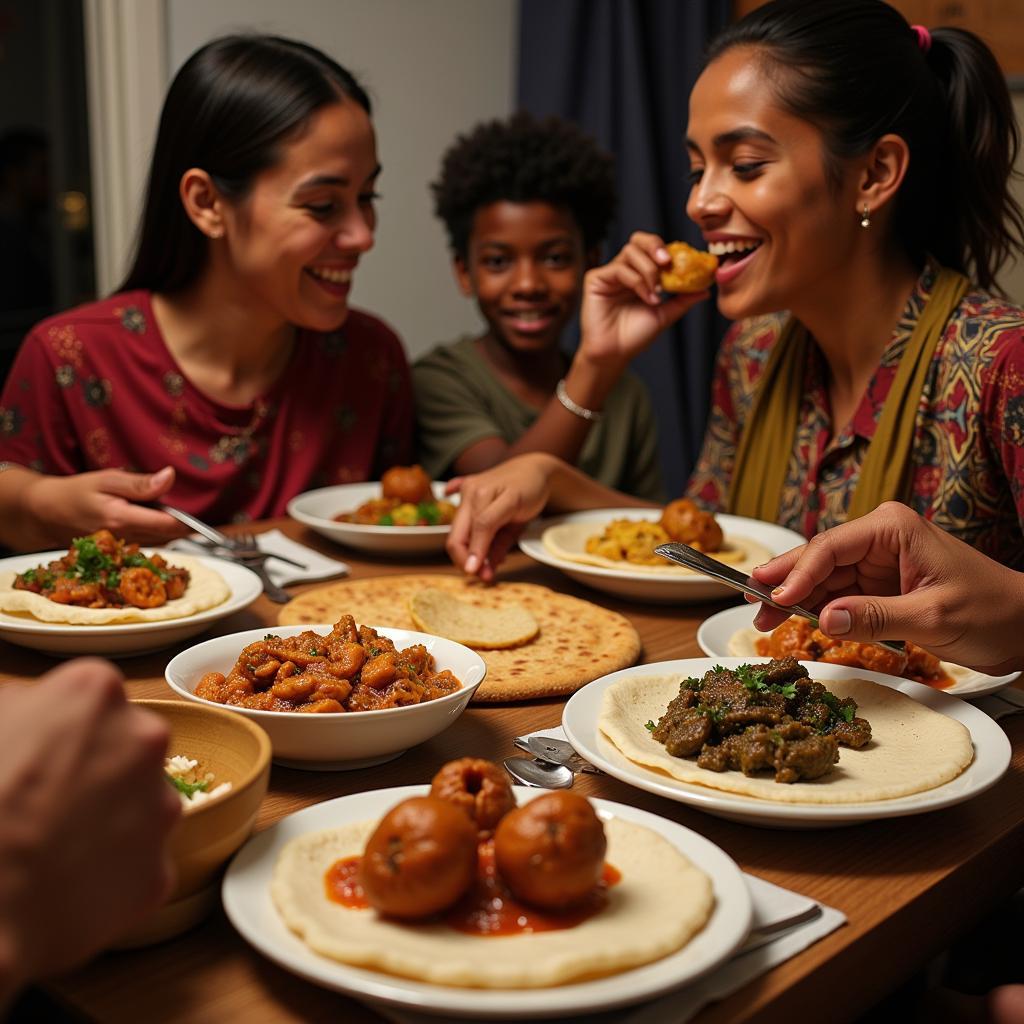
x: 332, y: 697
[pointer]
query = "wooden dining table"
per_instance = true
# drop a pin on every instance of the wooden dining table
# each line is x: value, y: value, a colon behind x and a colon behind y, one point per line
x: 908, y: 886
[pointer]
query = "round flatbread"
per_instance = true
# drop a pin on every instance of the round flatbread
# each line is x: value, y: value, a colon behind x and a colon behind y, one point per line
x: 569, y: 541
x: 743, y: 644
x: 661, y: 902
x: 206, y: 589
x: 443, y: 614
x: 912, y: 748
x: 577, y: 641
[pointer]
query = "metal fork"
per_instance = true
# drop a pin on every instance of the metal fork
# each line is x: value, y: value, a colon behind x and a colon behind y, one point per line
x: 241, y: 545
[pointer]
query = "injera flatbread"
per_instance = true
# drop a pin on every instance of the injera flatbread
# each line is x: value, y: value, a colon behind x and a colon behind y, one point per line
x: 206, y: 589
x: 912, y: 748
x: 578, y: 641
x: 662, y: 901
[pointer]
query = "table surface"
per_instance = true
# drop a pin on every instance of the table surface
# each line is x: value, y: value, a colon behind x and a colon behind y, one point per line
x: 907, y: 885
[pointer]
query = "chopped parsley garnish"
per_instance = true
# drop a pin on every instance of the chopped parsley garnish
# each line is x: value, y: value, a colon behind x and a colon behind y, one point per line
x: 708, y: 711
x: 753, y: 680
x: 386, y: 520
x: 692, y: 683
x: 838, y: 710
x: 313, y: 652
x: 89, y: 560
x: 718, y: 669
x: 188, y: 788
x: 649, y: 725
x: 140, y: 561
x: 270, y: 636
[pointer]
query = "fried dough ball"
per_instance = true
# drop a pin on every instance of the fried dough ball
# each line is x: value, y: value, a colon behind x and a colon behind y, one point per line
x: 478, y: 787
x: 692, y: 270
x: 420, y: 859
x: 550, y: 851
x: 406, y: 483
x: 682, y: 520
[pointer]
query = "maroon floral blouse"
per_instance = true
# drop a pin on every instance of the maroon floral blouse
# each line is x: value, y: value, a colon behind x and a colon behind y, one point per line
x: 967, y: 463
x: 97, y: 388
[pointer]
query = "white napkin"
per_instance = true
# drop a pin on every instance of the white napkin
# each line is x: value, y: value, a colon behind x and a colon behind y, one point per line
x: 274, y: 542
x: 769, y: 944
x: 759, y: 954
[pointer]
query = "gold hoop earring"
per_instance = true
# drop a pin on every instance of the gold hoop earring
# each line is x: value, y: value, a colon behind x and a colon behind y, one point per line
x: 865, y: 217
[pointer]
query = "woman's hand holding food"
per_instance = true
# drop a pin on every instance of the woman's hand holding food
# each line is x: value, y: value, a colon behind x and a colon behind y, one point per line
x: 623, y: 311
x: 891, y: 575
x: 77, y: 755
x: 57, y: 508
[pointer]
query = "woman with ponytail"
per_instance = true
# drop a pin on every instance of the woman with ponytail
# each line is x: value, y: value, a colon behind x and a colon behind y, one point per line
x: 853, y: 173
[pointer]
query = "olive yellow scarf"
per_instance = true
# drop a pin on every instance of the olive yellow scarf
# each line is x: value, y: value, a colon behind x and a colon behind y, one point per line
x: 766, y: 444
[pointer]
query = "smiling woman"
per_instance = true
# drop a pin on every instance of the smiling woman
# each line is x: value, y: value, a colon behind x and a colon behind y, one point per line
x: 851, y: 173
x: 229, y: 372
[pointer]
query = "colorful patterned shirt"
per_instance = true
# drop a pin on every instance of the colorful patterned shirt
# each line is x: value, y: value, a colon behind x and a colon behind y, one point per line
x: 97, y: 388
x: 967, y: 462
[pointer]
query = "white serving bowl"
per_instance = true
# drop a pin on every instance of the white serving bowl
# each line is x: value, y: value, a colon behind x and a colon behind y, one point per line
x: 317, y: 509
x: 329, y: 742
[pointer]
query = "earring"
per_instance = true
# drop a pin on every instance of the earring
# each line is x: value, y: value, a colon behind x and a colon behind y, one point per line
x: 865, y: 217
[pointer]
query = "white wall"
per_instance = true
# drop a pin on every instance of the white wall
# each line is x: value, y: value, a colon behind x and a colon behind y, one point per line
x: 433, y: 68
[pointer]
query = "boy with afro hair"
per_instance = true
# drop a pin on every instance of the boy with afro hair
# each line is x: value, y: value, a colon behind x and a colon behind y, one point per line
x: 526, y: 204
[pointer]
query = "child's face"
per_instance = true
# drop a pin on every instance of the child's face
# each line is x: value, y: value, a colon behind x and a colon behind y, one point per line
x: 525, y: 268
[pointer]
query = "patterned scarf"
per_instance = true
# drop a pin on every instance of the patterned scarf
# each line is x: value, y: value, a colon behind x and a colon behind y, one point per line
x: 766, y: 444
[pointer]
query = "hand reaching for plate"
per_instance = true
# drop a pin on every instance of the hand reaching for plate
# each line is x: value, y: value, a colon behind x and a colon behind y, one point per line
x: 891, y: 575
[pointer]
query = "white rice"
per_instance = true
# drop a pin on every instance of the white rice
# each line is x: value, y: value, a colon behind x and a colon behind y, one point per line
x: 181, y: 767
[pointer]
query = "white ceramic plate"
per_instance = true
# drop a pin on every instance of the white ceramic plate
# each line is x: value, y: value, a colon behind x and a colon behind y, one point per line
x: 125, y: 637
x: 247, y: 900
x: 991, y: 754
x: 715, y: 633
x: 645, y: 586
x: 337, y: 741
x: 317, y: 509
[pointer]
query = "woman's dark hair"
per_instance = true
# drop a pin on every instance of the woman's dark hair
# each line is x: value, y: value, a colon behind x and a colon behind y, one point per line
x: 857, y: 71
x: 524, y: 160
x: 229, y: 110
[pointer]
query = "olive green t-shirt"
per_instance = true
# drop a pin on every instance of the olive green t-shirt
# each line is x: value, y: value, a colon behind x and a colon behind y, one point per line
x: 459, y: 401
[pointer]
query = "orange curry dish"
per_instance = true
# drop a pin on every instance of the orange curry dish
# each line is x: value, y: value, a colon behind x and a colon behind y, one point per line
x: 798, y: 638
x: 407, y: 499
x: 352, y: 668
x: 101, y: 571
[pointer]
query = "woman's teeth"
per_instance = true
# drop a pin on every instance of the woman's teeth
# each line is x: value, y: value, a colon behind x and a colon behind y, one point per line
x: 334, y: 276
x: 733, y: 246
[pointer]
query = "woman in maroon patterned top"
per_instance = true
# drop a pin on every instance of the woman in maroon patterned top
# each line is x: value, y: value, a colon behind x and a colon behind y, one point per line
x: 850, y: 171
x: 228, y: 373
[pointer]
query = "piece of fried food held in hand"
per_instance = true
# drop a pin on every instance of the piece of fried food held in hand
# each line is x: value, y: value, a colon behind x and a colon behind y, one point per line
x: 692, y: 270
x: 477, y: 787
x: 551, y: 851
x: 420, y: 859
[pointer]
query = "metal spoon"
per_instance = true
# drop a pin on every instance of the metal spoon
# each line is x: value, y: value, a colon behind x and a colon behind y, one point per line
x: 555, y: 751
x: 538, y: 774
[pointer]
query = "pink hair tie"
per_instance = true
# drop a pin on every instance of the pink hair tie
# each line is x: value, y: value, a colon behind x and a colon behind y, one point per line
x: 924, y: 37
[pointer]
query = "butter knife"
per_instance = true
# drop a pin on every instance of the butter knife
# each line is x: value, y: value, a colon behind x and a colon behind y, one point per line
x: 698, y: 561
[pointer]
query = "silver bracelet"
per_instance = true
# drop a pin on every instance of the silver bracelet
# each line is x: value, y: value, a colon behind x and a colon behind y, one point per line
x: 590, y: 415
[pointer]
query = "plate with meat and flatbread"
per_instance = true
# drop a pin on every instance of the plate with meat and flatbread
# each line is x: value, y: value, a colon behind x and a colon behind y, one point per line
x: 927, y: 750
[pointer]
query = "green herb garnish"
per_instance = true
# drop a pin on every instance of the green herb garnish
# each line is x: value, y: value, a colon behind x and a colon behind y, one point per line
x: 843, y: 711
x: 188, y: 788
x: 649, y: 725
x: 89, y: 560
x: 386, y: 520
x: 428, y: 512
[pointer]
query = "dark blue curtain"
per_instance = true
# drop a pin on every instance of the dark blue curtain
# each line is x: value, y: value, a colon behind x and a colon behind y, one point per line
x: 623, y: 69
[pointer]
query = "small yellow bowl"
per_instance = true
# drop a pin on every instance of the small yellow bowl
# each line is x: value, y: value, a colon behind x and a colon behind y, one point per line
x: 235, y: 750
